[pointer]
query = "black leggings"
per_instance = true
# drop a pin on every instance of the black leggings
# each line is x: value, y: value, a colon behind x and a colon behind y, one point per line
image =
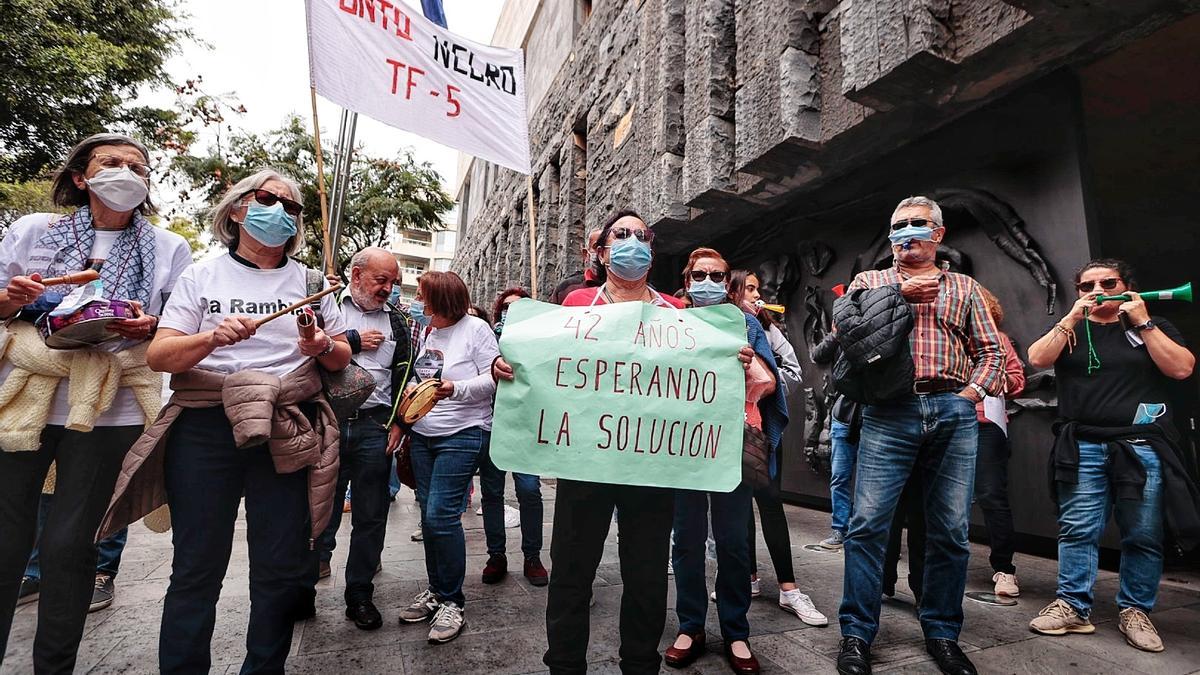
x: 775, y: 532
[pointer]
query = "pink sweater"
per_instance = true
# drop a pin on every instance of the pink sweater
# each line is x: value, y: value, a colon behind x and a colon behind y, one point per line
x: 1014, y: 375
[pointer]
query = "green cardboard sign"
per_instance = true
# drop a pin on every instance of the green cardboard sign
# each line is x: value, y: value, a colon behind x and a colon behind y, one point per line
x: 626, y: 393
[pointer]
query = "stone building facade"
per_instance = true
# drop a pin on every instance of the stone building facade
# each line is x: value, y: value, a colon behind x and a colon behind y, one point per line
x: 782, y: 132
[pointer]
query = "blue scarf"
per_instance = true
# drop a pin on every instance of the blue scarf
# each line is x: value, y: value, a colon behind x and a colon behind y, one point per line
x: 128, y: 271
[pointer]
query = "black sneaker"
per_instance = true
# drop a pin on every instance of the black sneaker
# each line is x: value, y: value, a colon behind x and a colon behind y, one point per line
x: 102, y: 593
x: 364, y: 614
x: 30, y: 587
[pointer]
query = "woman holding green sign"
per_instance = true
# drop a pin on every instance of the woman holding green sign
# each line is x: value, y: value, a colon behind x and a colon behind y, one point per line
x: 706, y: 280
x: 583, y: 510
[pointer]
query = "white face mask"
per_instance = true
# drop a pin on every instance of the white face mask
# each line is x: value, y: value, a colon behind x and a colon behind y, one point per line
x: 120, y: 189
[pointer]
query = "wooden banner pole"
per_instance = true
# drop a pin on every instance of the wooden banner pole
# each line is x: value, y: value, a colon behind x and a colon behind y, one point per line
x: 329, y: 255
x: 532, y: 208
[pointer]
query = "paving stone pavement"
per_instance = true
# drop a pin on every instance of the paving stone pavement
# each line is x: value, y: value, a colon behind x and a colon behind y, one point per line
x: 506, y: 631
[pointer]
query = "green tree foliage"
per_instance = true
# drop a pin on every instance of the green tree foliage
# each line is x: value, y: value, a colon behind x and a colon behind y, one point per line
x: 19, y: 199
x: 383, y: 195
x: 70, y: 67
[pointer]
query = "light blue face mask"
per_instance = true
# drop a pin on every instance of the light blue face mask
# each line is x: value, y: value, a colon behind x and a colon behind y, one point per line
x: 394, y: 298
x: 417, y: 311
x: 629, y: 258
x: 499, y: 327
x: 910, y: 233
x: 269, y: 225
x: 707, y: 292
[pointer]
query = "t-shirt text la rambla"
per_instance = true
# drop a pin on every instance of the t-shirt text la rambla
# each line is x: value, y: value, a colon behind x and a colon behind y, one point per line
x: 209, y: 291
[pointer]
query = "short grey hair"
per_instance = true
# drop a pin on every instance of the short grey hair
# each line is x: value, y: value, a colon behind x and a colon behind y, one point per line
x: 935, y: 211
x: 63, y: 189
x: 226, y: 230
x: 361, y: 258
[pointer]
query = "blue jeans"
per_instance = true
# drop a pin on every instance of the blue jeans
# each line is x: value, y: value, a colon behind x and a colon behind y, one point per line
x: 206, y: 476
x: 1084, y: 509
x: 364, y: 462
x: 529, y: 498
x: 730, y: 516
x: 108, y: 551
x: 443, y: 466
x: 935, y: 434
x: 841, y: 479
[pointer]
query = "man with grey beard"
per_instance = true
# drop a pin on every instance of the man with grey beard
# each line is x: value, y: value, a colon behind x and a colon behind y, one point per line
x: 379, y: 336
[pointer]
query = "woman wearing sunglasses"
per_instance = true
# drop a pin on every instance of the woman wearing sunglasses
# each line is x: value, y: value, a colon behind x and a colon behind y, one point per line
x: 248, y: 417
x: 1115, y: 449
x: 105, y: 181
x: 706, y: 282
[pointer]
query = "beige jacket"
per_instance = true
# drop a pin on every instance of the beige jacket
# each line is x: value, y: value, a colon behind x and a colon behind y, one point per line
x: 261, y: 409
x: 93, y: 375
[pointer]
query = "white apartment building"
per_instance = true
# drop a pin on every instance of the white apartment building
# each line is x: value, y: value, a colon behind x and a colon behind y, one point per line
x: 420, y: 251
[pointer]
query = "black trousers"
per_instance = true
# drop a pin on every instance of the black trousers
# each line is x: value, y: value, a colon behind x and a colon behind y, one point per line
x: 207, y: 475
x: 775, y: 533
x: 910, y: 515
x: 582, y: 514
x: 991, y: 491
x: 87, y: 468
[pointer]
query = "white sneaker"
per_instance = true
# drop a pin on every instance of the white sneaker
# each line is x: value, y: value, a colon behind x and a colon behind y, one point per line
x: 802, y: 606
x: 755, y: 588
x: 479, y: 511
x: 1006, y: 585
x: 447, y: 623
x: 418, y: 534
x: 512, y: 517
x: 670, y: 568
x: 422, y: 607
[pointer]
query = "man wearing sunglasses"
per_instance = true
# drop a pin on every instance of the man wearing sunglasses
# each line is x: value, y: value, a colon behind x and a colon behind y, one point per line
x: 957, y: 358
x: 1115, y: 450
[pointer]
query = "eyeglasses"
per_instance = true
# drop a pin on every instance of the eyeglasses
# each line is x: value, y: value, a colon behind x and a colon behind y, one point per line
x: 646, y: 236
x: 114, y: 162
x: 1107, y: 284
x: 268, y: 198
x: 915, y: 222
x: 698, y: 275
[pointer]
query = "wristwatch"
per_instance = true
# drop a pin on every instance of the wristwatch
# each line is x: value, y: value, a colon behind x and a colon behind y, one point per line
x: 328, y: 347
x: 978, y: 390
x: 1145, y: 326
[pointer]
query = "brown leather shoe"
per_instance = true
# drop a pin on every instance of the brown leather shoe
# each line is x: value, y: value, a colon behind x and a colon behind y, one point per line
x: 748, y: 666
x: 682, y: 658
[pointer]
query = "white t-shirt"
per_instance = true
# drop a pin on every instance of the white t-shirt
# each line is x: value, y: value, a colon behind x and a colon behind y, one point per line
x: 378, y: 361
x: 171, y: 257
x: 462, y: 353
x: 213, y: 289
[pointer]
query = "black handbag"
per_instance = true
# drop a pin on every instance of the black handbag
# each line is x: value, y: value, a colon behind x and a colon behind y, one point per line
x: 756, y: 457
x: 347, y: 389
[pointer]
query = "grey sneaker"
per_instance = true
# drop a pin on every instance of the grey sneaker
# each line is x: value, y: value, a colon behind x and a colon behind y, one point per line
x: 447, y: 623
x: 423, y: 606
x: 1138, y: 630
x: 834, y: 541
x: 30, y: 588
x: 419, y: 533
x: 1059, y: 618
x: 102, y: 594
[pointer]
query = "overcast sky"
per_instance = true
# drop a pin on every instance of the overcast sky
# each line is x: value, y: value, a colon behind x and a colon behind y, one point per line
x: 257, y: 50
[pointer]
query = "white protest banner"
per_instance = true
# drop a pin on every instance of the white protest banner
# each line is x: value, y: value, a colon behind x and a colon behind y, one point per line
x: 385, y: 60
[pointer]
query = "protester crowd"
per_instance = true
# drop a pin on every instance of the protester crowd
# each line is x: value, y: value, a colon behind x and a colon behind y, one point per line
x: 300, y: 413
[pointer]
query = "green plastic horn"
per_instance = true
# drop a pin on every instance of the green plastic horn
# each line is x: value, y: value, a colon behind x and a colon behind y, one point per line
x: 1183, y: 293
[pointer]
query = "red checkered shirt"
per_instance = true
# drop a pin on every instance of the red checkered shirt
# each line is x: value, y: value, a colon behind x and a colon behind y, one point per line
x: 953, y: 338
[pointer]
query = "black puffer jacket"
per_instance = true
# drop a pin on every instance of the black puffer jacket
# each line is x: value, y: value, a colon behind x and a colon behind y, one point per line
x: 875, y: 364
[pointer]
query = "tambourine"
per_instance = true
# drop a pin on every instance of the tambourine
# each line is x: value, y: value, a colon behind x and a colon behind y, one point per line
x: 86, y: 326
x: 418, y: 401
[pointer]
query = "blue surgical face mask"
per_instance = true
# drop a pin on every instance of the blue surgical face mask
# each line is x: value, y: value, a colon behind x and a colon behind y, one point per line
x: 910, y: 233
x: 417, y: 311
x: 629, y: 258
x: 269, y: 225
x: 707, y: 292
x: 394, y: 298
